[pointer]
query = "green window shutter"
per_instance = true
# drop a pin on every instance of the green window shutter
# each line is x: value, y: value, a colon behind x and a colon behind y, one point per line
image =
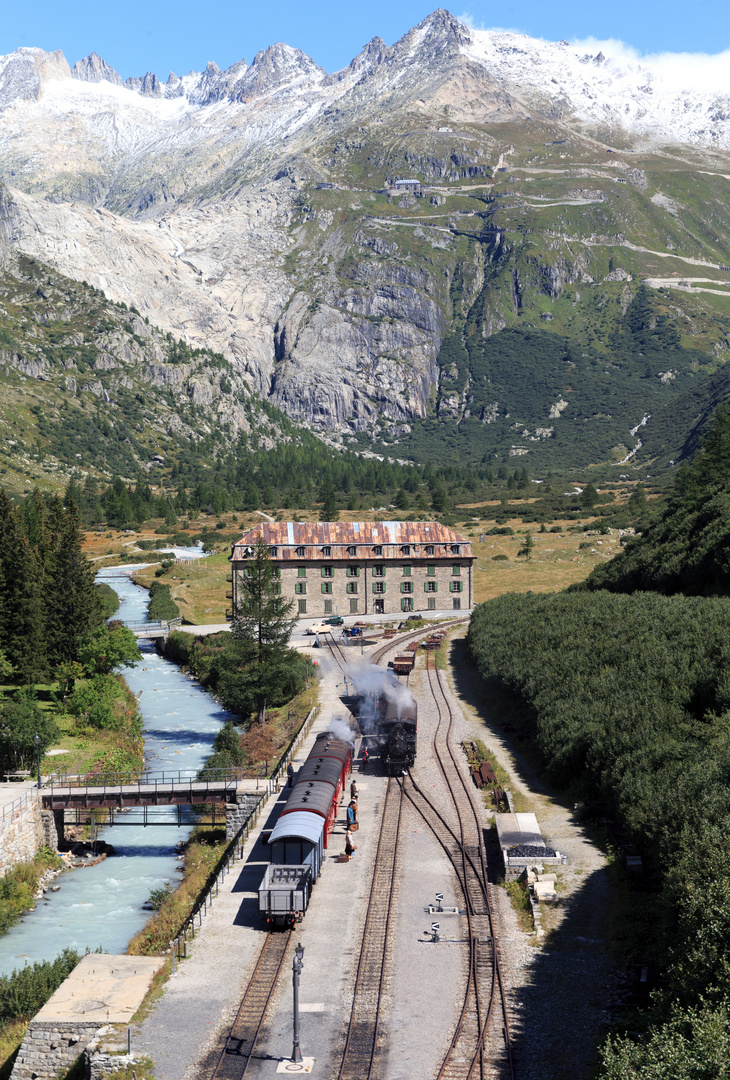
x: 401, y: 587
x: 456, y: 571
x: 425, y: 586
x: 431, y: 571
x: 301, y: 571
x: 406, y: 571
x: 435, y: 586
x: 357, y: 571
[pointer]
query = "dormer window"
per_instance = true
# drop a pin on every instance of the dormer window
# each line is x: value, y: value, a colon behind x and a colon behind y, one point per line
x: 429, y: 549
x: 406, y: 549
x: 352, y: 551
x: 455, y: 549
x: 377, y: 550
x: 327, y: 552
x: 300, y: 552
x: 274, y: 552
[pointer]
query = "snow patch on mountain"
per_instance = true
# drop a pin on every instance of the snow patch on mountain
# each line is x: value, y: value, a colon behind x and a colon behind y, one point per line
x: 657, y: 97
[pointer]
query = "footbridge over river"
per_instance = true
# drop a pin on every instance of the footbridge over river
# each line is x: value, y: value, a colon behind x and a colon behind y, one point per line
x: 72, y: 797
x: 157, y: 628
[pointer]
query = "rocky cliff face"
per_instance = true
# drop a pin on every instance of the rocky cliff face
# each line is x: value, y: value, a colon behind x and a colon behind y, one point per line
x: 256, y: 211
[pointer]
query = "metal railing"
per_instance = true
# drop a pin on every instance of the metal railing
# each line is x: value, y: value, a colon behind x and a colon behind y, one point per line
x: 11, y: 809
x: 155, y: 624
x: 176, y: 781
x: 235, y: 850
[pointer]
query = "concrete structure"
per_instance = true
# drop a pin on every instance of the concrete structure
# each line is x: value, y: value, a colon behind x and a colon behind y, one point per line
x: 101, y: 990
x: 362, y: 568
x: 521, y: 831
x: 25, y: 827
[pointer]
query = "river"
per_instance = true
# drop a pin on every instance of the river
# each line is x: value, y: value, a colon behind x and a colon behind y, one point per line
x: 101, y: 905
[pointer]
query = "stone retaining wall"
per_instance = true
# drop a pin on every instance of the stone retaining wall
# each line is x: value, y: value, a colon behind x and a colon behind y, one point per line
x: 238, y: 813
x: 22, y: 836
x: 50, y: 1048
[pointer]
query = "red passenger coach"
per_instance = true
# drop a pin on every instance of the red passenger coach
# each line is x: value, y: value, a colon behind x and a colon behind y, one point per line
x: 321, y: 781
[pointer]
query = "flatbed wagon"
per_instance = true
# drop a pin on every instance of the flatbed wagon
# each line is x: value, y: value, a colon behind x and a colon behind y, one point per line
x: 403, y: 664
x: 284, y: 893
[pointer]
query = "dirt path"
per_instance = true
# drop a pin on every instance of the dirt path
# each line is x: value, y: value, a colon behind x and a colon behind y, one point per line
x: 559, y: 982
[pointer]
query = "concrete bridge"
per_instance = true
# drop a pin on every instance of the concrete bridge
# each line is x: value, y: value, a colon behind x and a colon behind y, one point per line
x: 159, y: 628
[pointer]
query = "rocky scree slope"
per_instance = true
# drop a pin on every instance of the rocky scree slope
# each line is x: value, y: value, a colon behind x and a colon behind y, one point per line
x: 542, y: 173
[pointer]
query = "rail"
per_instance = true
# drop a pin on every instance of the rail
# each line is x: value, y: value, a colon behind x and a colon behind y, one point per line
x: 10, y: 810
x: 154, y: 624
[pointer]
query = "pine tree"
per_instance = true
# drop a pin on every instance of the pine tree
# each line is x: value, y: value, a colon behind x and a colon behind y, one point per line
x: 72, y: 602
x: 21, y: 589
x: 261, y: 629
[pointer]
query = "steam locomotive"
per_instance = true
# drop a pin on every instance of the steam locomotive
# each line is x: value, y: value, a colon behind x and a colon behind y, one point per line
x: 397, y: 732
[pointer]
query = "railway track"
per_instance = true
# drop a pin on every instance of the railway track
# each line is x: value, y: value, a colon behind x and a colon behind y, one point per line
x: 360, y: 1056
x: 480, y: 1047
x: 240, y: 1043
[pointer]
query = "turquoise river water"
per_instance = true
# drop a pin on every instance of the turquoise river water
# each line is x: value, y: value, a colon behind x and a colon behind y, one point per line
x: 102, y: 905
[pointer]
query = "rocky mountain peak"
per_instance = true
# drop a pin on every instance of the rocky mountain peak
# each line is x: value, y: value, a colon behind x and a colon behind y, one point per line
x: 23, y: 73
x: 275, y: 67
x: 93, y: 69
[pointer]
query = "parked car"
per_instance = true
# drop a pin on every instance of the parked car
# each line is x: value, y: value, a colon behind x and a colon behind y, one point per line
x: 336, y: 620
x: 317, y: 628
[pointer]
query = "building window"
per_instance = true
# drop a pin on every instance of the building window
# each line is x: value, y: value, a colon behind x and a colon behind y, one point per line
x: 352, y: 551
x: 377, y: 550
x: 328, y: 607
x: 328, y: 571
x: 406, y: 586
x: 429, y: 549
x: 352, y: 571
x: 456, y: 586
x: 430, y: 586
x: 302, y: 607
x: 432, y: 603
x: 378, y: 586
x: 457, y: 603
x: 406, y: 571
x: 274, y: 552
x: 455, y: 571
x: 353, y: 607
x: 276, y: 588
x: 378, y: 571
x: 300, y: 588
x: 455, y: 549
x: 406, y: 549
x: 326, y: 552
x: 351, y: 587
x: 431, y: 571
x: 326, y: 586
x: 301, y: 571
x: 300, y: 553
x: 406, y: 604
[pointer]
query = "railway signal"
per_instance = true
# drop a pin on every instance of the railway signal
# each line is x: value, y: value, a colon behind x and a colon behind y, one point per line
x: 439, y: 901
x: 435, y: 927
x: 297, y: 964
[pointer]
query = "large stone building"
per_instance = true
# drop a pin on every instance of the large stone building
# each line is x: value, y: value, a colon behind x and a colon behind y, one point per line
x: 363, y: 568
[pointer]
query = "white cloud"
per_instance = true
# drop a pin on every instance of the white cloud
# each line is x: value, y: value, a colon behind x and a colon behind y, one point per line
x: 676, y: 71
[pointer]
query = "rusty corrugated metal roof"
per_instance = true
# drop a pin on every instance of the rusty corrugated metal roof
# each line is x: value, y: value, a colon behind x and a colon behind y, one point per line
x: 390, y: 535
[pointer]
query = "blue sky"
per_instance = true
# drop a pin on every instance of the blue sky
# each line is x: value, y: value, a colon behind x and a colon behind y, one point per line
x: 135, y: 36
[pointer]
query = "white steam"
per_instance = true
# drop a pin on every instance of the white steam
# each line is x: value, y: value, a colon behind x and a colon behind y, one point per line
x: 340, y: 729
x: 374, y: 681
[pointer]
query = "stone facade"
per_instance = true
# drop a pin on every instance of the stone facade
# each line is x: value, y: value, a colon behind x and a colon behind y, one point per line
x: 365, y: 568
x: 51, y: 1047
x: 23, y: 835
x: 238, y: 813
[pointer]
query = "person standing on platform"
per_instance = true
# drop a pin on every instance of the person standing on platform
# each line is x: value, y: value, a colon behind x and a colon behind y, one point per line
x: 353, y: 790
x: 365, y: 758
x: 352, y: 814
x: 350, y: 848
x: 290, y: 774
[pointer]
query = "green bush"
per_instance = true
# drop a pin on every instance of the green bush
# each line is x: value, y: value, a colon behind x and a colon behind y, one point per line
x: 162, y: 606
x: 95, y: 702
x: 20, y: 721
x: 27, y: 989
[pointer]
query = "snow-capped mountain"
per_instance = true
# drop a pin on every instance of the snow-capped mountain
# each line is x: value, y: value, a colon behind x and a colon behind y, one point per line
x: 256, y: 211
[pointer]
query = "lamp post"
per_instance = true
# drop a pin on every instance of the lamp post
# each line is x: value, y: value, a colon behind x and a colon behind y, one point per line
x: 296, y: 1054
x: 37, y: 741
